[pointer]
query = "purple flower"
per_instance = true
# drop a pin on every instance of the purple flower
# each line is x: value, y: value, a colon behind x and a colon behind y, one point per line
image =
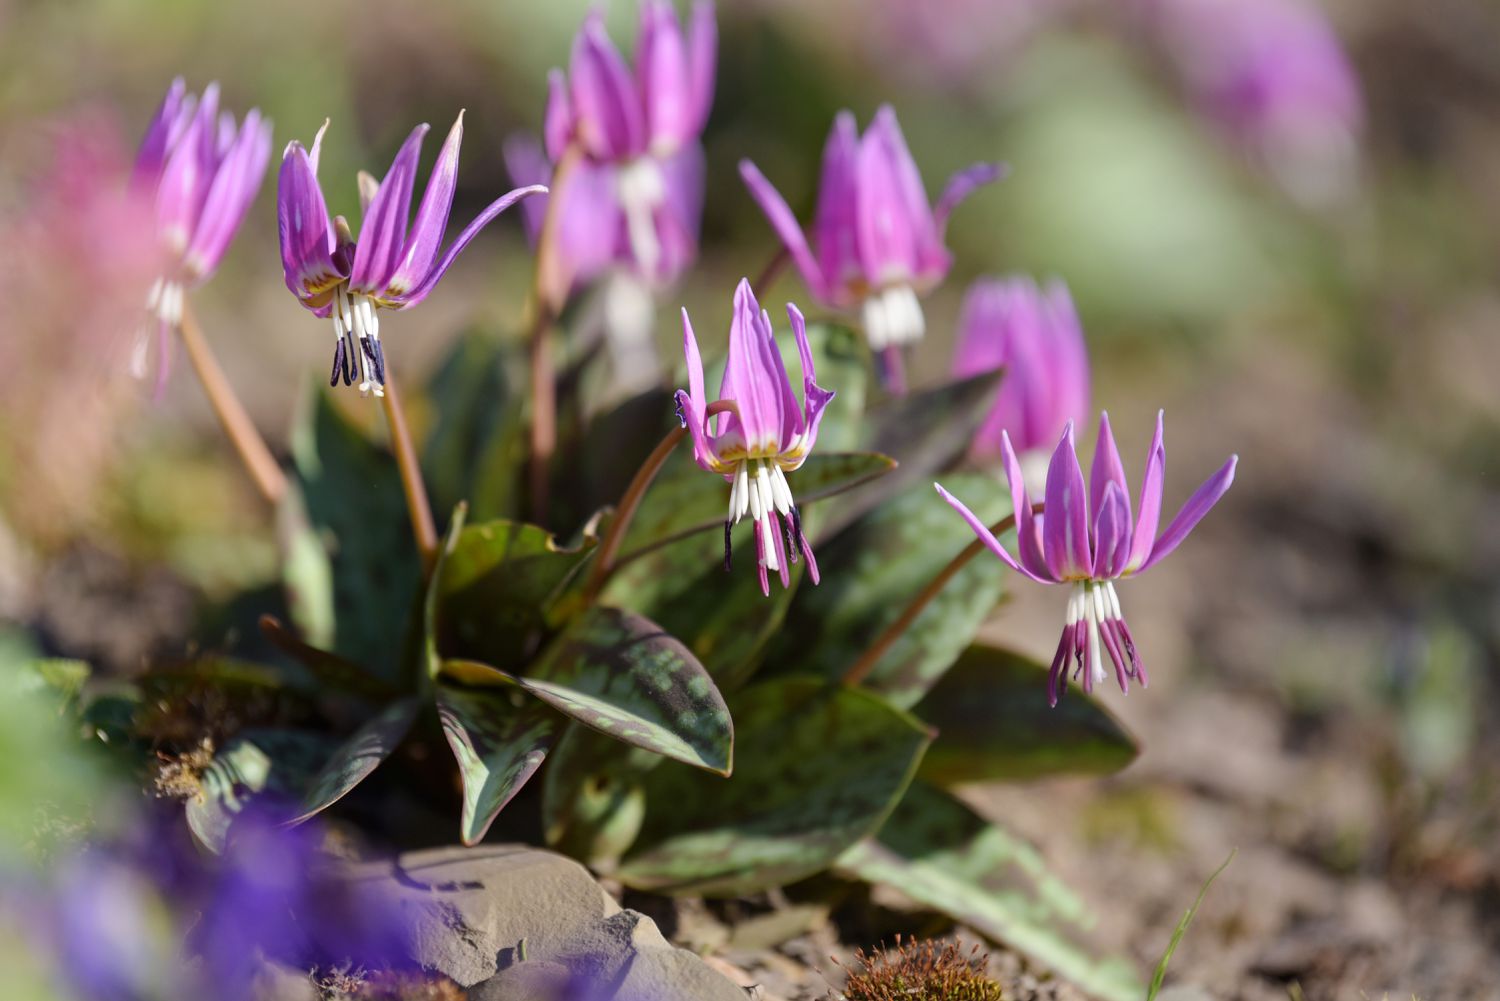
x: 202, y: 171
x: 391, y: 266
x: 1034, y: 333
x: 635, y: 197
x: 1084, y: 537
x: 763, y: 433
x: 877, y: 243
x: 1273, y: 74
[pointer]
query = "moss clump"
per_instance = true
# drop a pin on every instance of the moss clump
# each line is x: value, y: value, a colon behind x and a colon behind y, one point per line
x: 920, y: 971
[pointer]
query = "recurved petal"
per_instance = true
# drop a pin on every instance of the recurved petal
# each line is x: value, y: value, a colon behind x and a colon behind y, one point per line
x: 893, y: 215
x: 703, y: 54
x: 303, y: 226
x: 693, y: 403
x: 455, y: 248
x: 836, y: 225
x: 155, y: 144
x: 527, y: 164
x: 785, y: 224
x: 186, y: 177
x: 1028, y: 525
x: 1065, y: 522
x: 1107, y: 469
x: 814, y: 397
x: 986, y: 536
x: 426, y: 236
x: 1111, y: 532
x: 1198, y: 505
x: 382, y: 232
x: 557, y: 124
x: 229, y: 196
x: 608, y: 112
x: 754, y: 377
x: 662, y: 61
x: 963, y: 184
x: 1148, y: 517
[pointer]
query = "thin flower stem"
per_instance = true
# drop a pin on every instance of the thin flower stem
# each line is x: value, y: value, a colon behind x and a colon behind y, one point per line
x: 549, y: 291
x: 630, y: 501
x: 252, y: 449
x: 770, y: 272
x: 423, y: 529
x: 862, y: 667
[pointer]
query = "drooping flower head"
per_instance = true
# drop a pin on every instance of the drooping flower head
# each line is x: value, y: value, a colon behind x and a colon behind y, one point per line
x: 876, y: 243
x: 757, y: 432
x: 392, y: 265
x: 202, y: 171
x: 1035, y: 334
x: 634, y: 197
x: 1084, y: 537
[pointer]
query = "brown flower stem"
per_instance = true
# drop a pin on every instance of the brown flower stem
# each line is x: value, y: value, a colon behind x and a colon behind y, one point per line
x: 770, y: 272
x: 862, y: 667
x: 252, y: 449
x: 423, y: 529
x: 550, y: 284
x: 630, y: 501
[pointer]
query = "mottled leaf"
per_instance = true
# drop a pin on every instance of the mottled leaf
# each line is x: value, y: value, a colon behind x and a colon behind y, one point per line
x: 499, y: 741
x: 593, y: 800
x: 840, y: 363
x: 476, y: 451
x: 357, y: 514
x: 820, y: 767
x: 685, y: 499
x: 495, y: 587
x: 622, y: 675
x: 871, y: 572
x: 938, y: 852
x: 268, y: 768
x: 994, y: 724
x: 357, y: 757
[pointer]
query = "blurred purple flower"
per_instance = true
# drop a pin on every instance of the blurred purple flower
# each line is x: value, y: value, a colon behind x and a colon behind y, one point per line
x: 1274, y: 75
x: 202, y: 171
x: 764, y: 435
x: 634, y: 198
x: 1034, y: 333
x: 1084, y: 538
x: 877, y: 243
x: 104, y: 924
x: 391, y: 266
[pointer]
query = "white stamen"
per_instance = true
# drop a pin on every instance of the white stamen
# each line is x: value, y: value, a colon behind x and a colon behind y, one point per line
x: 742, y: 491
x: 767, y: 527
x: 877, y: 325
x: 757, y: 510
x: 641, y: 189
x: 763, y: 488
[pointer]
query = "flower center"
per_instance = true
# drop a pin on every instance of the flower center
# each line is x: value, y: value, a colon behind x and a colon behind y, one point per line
x: 1095, y: 629
x: 759, y: 488
x: 893, y: 316
x: 356, y: 342
x: 642, y: 189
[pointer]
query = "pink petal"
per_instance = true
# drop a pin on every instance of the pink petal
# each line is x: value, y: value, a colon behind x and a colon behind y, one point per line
x: 786, y: 227
x: 1149, y: 515
x: 302, y: 222
x: 662, y: 61
x: 383, y: 229
x: 836, y: 225
x: 1198, y: 505
x: 703, y: 47
x: 985, y: 535
x: 1107, y: 469
x: 608, y: 112
x: 426, y: 236
x: 234, y: 188
x: 1028, y: 525
x: 1065, y: 522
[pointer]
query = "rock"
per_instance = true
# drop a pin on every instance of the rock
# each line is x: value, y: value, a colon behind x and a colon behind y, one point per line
x: 466, y: 911
x: 512, y: 923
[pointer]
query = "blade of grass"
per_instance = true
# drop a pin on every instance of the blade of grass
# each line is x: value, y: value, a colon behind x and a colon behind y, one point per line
x: 1182, y: 927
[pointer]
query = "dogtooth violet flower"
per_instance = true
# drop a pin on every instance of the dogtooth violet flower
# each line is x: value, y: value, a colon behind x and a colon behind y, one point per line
x: 1084, y: 538
x: 876, y: 241
x: 1035, y: 334
x: 391, y: 265
x: 763, y: 433
x: 202, y: 171
x: 634, y: 197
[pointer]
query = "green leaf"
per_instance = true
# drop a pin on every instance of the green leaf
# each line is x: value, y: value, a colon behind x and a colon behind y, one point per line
x: 871, y: 572
x: 60, y: 676
x: 685, y: 499
x: 820, y: 767
x: 1181, y: 929
x: 994, y: 724
x: 477, y: 448
x: 924, y: 432
x: 495, y: 587
x: 330, y: 670
x: 724, y: 619
x: 267, y: 766
x: 938, y: 852
x: 357, y: 757
x: 357, y: 514
x: 840, y: 363
x: 499, y: 742
x: 593, y: 798
x: 622, y: 675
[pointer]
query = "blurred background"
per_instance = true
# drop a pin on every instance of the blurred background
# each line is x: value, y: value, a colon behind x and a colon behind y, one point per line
x: 1283, y: 228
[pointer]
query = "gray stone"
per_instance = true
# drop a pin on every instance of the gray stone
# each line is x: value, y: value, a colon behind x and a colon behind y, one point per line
x: 533, y: 980
x: 275, y: 982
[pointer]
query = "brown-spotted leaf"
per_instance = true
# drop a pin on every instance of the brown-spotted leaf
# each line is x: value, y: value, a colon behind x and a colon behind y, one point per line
x: 358, y: 756
x: 500, y: 739
x: 269, y: 769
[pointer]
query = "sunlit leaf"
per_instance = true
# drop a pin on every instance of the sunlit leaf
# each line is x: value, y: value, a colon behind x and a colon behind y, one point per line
x: 499, y: 742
